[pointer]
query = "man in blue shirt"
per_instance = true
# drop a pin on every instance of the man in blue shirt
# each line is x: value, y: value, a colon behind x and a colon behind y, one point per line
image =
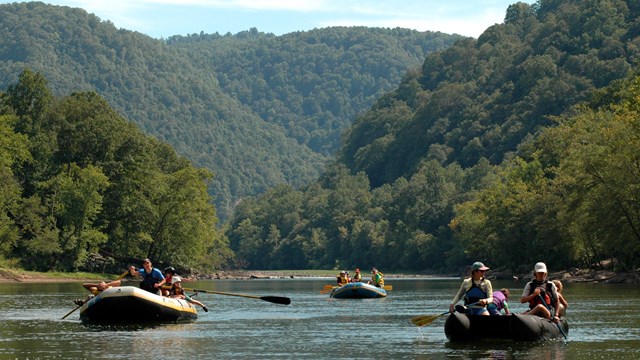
x: 152, y: 278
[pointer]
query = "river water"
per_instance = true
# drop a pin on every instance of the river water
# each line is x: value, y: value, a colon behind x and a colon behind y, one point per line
x: 604, y: 324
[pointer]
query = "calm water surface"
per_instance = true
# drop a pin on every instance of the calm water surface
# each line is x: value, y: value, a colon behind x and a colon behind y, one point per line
x: 604, y: 324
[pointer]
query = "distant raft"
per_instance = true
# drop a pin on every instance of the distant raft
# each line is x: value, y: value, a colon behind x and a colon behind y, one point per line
x: 129, y: 304
x: 519, y: 327
x: 358, y: 290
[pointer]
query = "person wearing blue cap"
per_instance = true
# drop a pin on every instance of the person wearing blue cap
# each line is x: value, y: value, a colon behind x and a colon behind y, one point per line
x: 476, y: 291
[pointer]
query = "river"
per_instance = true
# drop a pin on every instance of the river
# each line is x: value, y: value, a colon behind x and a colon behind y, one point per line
x: 604, y: 324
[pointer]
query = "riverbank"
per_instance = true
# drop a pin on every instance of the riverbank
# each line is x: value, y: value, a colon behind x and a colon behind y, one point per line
x: 570, y: 276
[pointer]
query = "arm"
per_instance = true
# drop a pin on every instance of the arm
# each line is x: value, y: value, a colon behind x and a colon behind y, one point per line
x: 459, y: 294
x: 133, y: 271
x: 526, y: 298
x: 563, y: 301
x: 489, y: 290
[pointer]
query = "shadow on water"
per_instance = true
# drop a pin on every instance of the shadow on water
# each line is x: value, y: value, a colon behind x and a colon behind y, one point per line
x: 495, y: 349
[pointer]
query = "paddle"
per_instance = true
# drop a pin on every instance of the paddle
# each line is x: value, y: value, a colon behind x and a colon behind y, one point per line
x: 272, y: 299
x: 79, y: 306
x: 550, y: 312
x: 423, y: 320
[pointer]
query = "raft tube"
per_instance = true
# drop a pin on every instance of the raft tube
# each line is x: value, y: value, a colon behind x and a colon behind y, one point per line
x: 358, y: 290
x: 129, y: 304
x: 518, y: 327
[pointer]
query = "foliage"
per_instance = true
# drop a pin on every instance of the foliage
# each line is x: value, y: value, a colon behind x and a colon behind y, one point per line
x: 81, y: 182
x: 255, y: 109
x: 465, y: 160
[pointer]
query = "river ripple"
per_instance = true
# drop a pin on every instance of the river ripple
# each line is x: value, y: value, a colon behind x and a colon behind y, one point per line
x: 604, y: 324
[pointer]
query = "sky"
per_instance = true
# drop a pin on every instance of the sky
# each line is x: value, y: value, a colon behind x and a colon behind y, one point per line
x: 164, y: 18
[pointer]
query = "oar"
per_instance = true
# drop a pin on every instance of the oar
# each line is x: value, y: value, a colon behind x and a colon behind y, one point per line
x: 272, y: 299
x: 550, y: 312
x: 79, y: 306
x: 423, y: 320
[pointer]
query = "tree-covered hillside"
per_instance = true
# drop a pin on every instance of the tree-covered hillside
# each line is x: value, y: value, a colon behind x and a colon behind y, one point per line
x: 253, y: 126
x: 82, y: 188
x: 464, y: 160
x: 482, y: 98
x: 313, y: 83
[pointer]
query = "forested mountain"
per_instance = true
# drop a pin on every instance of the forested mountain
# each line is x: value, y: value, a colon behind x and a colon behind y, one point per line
x: 464, y: 159
x: 313, y: 83
x: 255, y: 109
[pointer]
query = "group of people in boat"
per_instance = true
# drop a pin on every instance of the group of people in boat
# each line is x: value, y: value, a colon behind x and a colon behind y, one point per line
x: 153, y: 281
x: 377, y: 278
x: 544, y: 297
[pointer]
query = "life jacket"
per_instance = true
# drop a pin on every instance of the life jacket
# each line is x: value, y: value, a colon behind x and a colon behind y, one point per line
x: 342, y: 280
x: 175, y: 291
x: 545, y: 293
x: 357, y: 278
x: 378, y: 281
x: 474, y: 294
x: 148, y: 281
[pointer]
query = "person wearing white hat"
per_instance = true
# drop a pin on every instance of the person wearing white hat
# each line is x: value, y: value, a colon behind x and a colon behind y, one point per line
x: 476, y: 291
x: 178, y: 292
x: 541, y: 294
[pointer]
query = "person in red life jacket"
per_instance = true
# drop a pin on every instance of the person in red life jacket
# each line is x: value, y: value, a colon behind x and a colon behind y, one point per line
x: 357, y: 277
x: 476, y: 291
x: 500, y: 302
x: 342, y: 279
x: 542, y: 295
x: 168, y: 275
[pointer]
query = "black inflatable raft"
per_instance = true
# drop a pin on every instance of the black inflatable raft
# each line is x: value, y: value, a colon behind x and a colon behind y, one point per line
x: 461, y: 327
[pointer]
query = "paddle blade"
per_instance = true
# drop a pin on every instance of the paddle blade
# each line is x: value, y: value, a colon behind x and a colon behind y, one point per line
x: 388, y: 287
x: 425, y: 319
x: 276, y: 299
x: 329, y: 287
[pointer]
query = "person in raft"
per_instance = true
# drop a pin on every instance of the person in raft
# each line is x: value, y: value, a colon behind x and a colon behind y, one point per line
x: 168, y: 274
x: 96, y: 288
x: 178, y: 292
x: 476, y: 291
x: 541, y: 294
x: 152, y: 278
x: 377, y: 278
x: 563, y: 302
x: 499, y: 303
x: 342, y: 279
x: 357, y: 277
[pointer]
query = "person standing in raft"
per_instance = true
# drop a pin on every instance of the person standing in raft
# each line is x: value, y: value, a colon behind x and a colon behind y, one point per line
x: 541, y: 294
x: 152, y: 278
x: 476, y: 291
